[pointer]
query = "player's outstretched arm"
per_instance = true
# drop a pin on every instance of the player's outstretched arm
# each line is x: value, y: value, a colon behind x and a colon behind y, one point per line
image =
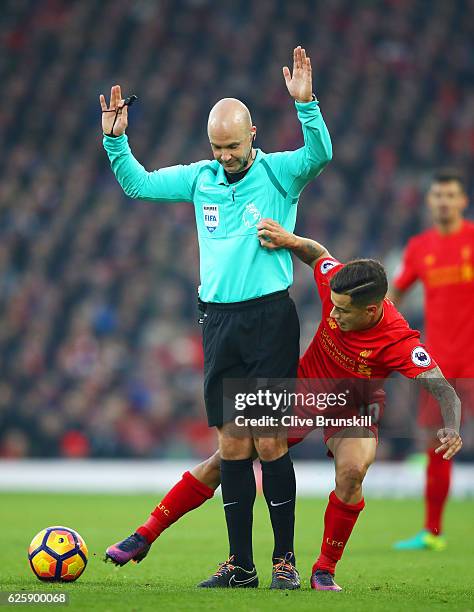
x: 450, y: 404
x: 272, y: 235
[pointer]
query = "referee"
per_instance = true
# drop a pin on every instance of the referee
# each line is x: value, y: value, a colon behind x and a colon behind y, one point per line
x: 250, y: 325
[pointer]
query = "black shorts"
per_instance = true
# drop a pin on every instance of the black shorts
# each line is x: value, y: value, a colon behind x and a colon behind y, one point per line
x: 257, y: 338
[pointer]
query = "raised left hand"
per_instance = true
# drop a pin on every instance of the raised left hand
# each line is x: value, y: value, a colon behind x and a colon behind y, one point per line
x: 300, y: 83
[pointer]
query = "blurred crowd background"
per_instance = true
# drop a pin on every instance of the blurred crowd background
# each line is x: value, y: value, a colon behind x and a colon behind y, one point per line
x: 99, y: 343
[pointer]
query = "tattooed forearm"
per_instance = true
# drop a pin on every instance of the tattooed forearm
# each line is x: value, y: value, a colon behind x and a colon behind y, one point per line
x: 308, y: 250
x: 450, y: 404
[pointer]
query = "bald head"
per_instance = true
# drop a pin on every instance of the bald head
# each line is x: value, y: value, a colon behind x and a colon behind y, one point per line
x: 231, y: 133
x: 229, y: 116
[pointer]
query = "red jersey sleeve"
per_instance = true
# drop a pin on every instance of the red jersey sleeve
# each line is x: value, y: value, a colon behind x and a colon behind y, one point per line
x: 409, y: 356
x: 324, y: 270
x: 407, y: 272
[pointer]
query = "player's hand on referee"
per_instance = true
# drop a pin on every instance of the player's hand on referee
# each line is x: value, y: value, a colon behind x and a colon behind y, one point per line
x: 272, y: 235
x: 299, y: 83
x: 451, y: 442
x: 109, y: 113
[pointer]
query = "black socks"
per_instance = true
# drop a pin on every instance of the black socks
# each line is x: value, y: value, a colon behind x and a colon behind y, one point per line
x: 238, y: 495
x: 279, y: 488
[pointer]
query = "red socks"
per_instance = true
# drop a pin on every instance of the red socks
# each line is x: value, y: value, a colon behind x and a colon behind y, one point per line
x: 339, y: 520
x: 186, y: 495
x: 438, y: 479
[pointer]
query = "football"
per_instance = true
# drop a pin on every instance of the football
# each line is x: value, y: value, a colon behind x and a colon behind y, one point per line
x: 58, y: 554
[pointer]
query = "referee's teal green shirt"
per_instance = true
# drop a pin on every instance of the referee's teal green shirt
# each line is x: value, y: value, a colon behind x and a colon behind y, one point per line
x: 233, y: 265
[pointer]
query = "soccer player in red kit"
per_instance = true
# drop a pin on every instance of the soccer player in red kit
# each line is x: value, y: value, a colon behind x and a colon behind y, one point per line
x: 442, y: 259
x: 361, y: 337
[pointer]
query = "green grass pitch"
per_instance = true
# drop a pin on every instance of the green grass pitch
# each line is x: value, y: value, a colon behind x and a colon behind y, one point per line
x: 373, y: 576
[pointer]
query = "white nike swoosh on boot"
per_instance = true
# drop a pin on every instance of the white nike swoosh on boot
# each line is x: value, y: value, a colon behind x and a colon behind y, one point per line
x: 230, y: 503
x: 234, y: 581
x: 272, y: 503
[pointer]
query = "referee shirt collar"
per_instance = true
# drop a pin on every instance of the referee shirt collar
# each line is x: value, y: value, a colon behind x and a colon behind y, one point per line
x: 221, y: 177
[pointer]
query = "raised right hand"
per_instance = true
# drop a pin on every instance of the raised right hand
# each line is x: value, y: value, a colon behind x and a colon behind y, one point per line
x: 108, y: 112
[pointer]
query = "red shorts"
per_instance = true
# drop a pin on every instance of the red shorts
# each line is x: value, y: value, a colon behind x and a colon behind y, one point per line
x: 429, y: 413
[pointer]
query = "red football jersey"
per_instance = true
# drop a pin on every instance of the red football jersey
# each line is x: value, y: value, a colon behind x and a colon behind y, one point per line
x: 371, y: 354
x: 445, y: 266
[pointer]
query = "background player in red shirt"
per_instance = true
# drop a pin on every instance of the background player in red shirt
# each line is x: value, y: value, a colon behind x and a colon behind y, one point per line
x: 361, y: 337
x: 442, y: 258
